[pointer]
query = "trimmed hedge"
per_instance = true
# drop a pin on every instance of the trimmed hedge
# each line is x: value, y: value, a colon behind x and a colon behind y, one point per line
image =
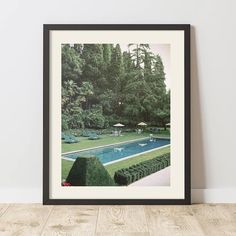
x: 129, y: 175
x: 89, y: 171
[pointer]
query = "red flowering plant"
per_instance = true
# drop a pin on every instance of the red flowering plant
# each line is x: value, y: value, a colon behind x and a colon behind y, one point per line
x: 65, y: 184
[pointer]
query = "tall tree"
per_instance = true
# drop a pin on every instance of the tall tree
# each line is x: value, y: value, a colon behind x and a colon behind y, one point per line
x: 116, y: 78
x: 116, y: 66
x: 158, y: 87
x: 72, y: 63
x: 92, y: 72
x: 138, y: 53
x: 147, y: 61
x: 159, y: 73
x: 107, y: 50
x: 72, y: 99
x: 93, y: 57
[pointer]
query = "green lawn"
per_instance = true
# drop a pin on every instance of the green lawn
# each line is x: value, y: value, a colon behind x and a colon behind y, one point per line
x: 66, y: 165
x: 65, y: 168
x: 106, y: 139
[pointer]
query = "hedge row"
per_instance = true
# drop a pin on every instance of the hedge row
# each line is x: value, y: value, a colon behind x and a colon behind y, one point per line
x: 129, y: 175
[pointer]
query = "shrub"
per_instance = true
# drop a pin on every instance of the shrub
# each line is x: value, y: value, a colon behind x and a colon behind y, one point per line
x: 64, y: 122
x: 94, y: 118
x: 89, y: 171
x: 129, y: 175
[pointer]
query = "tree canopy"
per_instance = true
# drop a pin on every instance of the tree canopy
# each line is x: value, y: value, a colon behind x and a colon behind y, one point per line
x: 101, y: 85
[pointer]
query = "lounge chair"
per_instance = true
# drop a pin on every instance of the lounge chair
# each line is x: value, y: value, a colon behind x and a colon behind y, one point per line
x: 71, y: 139
x: 84, y: 133
x: 93, y: 136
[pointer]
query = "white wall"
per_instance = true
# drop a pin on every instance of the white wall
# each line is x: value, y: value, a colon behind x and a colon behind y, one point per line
x: 213, y: 85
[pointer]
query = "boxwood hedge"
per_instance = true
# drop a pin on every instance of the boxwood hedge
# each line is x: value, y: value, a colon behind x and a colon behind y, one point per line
x: 89, y: 171
x: 129, y: 175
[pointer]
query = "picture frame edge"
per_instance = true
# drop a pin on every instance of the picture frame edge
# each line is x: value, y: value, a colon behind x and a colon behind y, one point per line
x: 187, y: 114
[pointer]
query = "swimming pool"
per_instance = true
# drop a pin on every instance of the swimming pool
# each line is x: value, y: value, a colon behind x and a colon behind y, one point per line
x: 119, y: 151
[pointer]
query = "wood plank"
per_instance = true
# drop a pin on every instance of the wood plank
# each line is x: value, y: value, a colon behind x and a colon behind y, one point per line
x: 3, y: 208
x: 172, y: 220
x: 72, y: 220
x: 216, y: 219
x: 34, y: 219
x: 24, y: 219
x: 119, y: 219
x: 231, y: 208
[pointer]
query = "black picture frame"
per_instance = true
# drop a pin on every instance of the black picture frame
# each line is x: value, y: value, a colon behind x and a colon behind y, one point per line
x: 46, y: 114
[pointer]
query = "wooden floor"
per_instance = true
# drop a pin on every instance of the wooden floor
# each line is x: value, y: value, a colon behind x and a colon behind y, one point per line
x: 35, y: 219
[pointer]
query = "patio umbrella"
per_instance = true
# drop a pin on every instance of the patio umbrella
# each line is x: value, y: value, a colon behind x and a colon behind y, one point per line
x: 142, y: 124
x: 118, y: 125
x: 168, y: 124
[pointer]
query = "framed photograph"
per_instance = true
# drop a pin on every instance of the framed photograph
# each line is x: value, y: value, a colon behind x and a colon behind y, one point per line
x: 116, y: 114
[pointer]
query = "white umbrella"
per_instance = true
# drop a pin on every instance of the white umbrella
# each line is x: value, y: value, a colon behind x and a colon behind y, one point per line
x: 118, y: 125
x: 168, y: 124
x: 142, y: 124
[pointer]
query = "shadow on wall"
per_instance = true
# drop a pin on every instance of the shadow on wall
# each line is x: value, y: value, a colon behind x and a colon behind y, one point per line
x: 198, y: 168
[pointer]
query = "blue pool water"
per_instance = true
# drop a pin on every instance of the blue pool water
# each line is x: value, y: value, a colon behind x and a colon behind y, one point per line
x: 119, y: 151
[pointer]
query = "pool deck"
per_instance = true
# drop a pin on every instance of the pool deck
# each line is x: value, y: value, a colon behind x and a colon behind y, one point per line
x: 160, y: 178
